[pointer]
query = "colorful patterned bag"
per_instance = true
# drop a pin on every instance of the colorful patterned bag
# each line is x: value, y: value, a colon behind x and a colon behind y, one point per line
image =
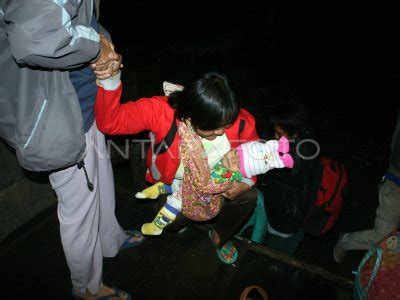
x: 378, y: 275
x: 201, y: 195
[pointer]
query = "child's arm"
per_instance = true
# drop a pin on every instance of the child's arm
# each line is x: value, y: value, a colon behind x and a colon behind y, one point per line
x: 112, y: 117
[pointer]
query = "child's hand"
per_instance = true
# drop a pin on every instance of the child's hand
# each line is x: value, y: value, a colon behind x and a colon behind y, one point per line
x: 109, y: 69
x: 236, y: 190
x: 231, y: 161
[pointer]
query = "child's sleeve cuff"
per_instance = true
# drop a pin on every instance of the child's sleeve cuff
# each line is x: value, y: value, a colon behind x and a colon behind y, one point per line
x: 111, y: 83
x: 247, y: 181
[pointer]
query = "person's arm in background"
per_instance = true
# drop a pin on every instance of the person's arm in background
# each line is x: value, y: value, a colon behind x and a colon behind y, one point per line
x: 41, y: 35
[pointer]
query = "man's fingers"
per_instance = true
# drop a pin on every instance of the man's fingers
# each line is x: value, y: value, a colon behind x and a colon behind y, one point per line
x: 102, y: 77
x: 100, y: 72
x: 102, y: 67
x: 107, y: 68
x: 113, y: 55
x: 103, y: 74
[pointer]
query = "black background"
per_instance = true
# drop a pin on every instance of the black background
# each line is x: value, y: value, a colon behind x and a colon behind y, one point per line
x: 339, y: 59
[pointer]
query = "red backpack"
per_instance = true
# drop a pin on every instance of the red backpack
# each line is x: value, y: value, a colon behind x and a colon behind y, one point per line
x: 329, y: 198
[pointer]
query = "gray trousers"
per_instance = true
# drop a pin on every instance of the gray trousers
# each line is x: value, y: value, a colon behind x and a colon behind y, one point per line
x: 387, y: 220
x: 88, y: 227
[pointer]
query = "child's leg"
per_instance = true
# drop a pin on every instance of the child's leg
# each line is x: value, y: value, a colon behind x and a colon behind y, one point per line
x: 154, y: 191
x: 272, y: 158
x: 277, y: 154
x: 165, y: 216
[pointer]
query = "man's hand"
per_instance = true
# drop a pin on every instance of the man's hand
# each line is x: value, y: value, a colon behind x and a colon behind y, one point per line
x: 112, y: 69
x: 236, y: 189
x: 108, y: 62
x: 231, y: 161
x: 106, y: 52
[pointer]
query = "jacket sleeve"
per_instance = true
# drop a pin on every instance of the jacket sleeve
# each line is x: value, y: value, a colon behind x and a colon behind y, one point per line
x: 41, y: 35
x: 112, y: 117
x: 105, y: 32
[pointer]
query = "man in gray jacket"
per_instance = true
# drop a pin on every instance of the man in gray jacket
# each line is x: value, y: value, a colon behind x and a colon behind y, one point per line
x: 47, y: 95
x: 387, y: 217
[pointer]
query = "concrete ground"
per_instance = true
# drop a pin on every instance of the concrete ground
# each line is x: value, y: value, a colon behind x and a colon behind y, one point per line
x: 174, y: 266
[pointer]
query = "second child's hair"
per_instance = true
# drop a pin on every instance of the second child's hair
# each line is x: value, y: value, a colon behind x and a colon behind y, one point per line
x: 209, y: 102
x: 290, y: 117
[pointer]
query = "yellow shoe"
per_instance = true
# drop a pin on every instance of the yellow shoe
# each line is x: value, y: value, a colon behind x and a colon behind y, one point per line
x: 163, y: 219
x: 151, y: 192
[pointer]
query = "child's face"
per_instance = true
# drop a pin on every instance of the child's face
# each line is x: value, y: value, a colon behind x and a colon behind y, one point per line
x: 231, y: 161
x: 279, y: 132
x: 210, y: 134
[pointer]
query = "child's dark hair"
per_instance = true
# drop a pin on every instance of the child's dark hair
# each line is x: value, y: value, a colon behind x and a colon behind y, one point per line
x: 290, y: 117
x: 209, y: 102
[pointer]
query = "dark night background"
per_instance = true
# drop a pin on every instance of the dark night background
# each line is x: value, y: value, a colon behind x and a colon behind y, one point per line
x: 339, y: 59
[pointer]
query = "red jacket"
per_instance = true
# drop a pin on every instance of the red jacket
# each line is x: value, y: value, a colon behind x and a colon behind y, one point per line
x: 155, y: 114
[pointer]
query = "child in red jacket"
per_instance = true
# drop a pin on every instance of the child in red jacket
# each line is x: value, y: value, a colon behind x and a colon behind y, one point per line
x: 208, y: 115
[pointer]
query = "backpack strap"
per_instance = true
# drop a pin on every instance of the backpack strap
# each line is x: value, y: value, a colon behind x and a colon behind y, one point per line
x: 164, y: 145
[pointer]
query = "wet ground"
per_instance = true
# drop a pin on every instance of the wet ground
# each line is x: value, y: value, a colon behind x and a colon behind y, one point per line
x: 352, y: 102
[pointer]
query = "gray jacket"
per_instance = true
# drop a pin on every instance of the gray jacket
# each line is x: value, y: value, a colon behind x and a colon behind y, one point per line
x: 40, y: 116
